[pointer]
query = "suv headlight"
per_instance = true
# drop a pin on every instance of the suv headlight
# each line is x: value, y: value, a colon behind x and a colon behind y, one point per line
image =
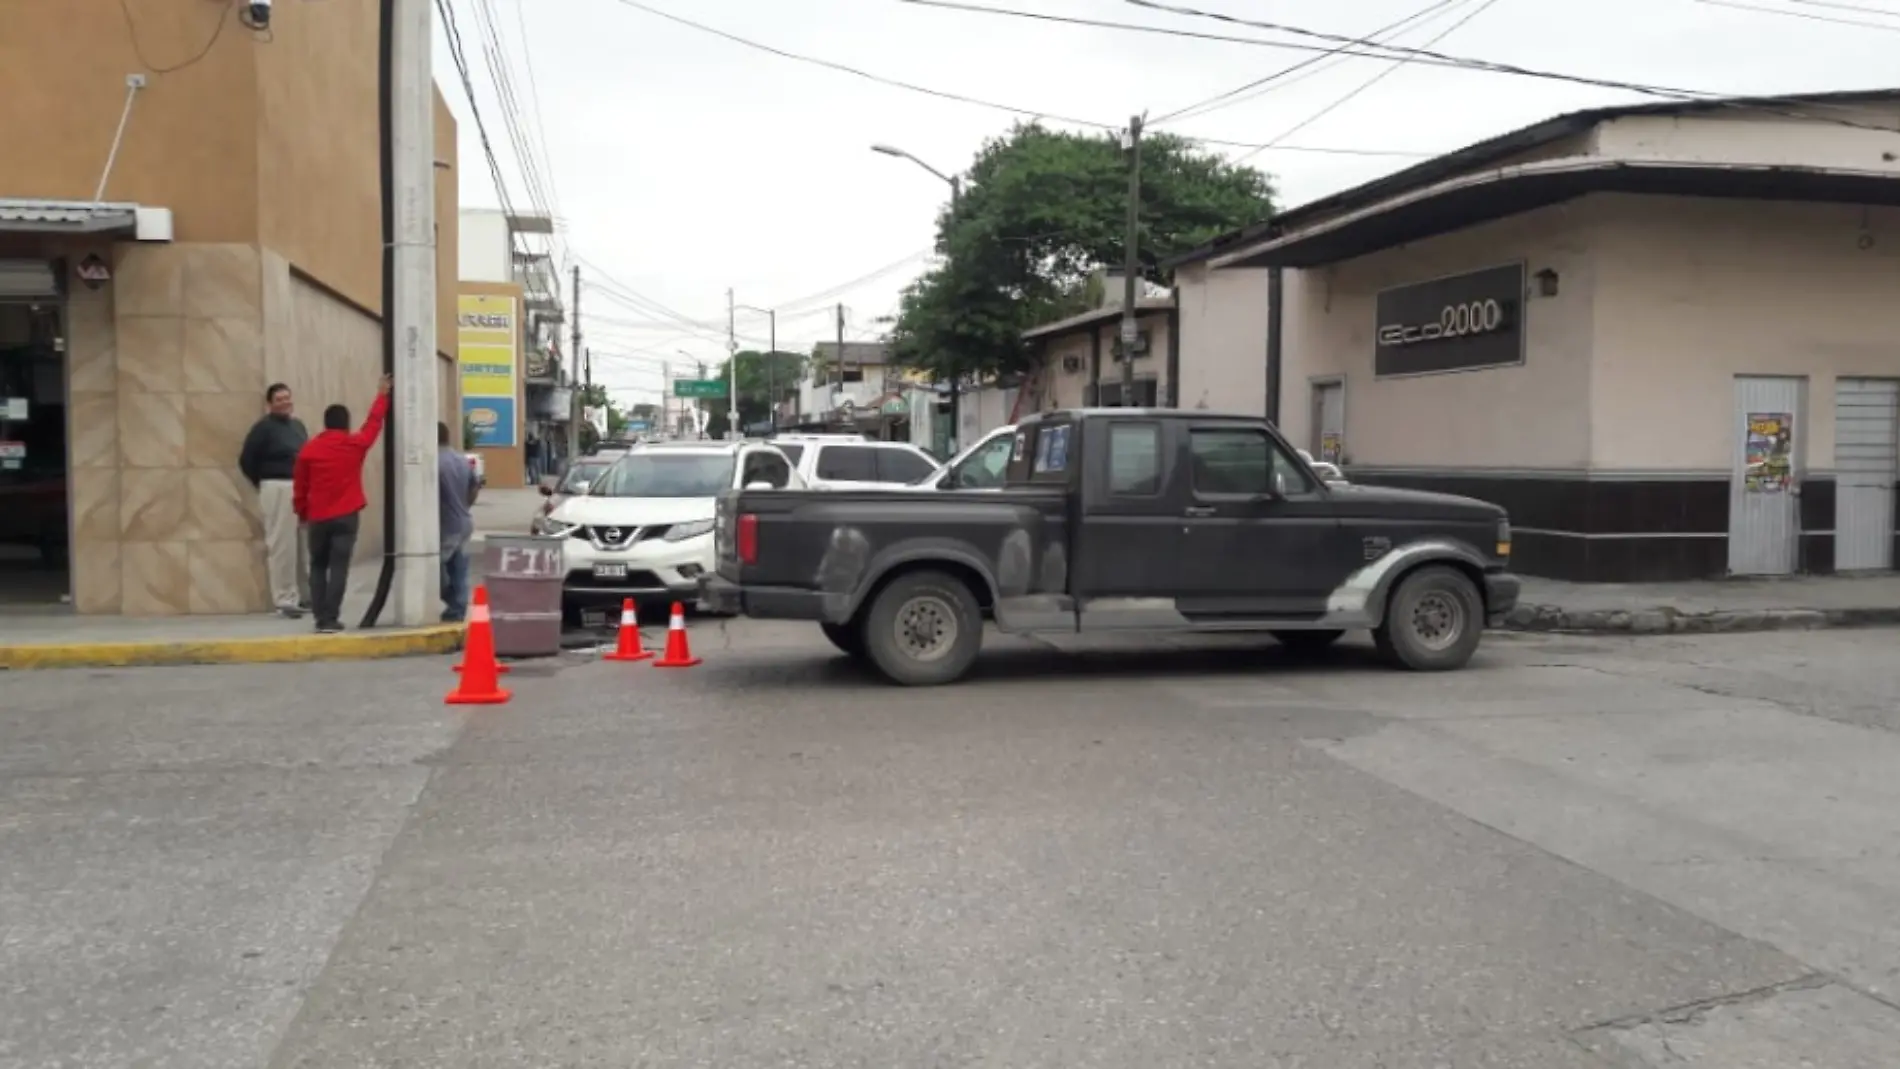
x: 683, y: 531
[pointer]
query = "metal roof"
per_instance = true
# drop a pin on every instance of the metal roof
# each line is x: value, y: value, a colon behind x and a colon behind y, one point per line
x: 1504, y: 146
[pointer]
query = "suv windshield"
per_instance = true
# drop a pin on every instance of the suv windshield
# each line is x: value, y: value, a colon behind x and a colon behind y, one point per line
x: 580, y: 475
x: 656, y: 474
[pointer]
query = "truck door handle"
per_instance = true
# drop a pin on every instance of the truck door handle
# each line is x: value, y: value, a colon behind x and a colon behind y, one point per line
x: 1201, y: 510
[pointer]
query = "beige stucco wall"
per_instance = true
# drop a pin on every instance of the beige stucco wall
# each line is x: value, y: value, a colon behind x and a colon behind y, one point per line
x: 1069, y: 389
x: 191, y: 144
x: 1457, y: 419
x: 1691, y: 293
x: 1223, y: 338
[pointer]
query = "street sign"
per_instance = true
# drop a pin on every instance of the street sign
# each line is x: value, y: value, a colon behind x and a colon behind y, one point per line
x: 701, y: 388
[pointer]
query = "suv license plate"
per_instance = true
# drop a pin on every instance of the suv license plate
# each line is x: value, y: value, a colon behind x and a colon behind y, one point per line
x: 610, y: 571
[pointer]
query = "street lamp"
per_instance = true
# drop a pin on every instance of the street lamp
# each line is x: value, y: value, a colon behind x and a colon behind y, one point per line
x: 956, y: 198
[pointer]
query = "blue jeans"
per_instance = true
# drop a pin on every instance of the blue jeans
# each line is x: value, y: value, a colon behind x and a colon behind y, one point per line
x: 455, y: 576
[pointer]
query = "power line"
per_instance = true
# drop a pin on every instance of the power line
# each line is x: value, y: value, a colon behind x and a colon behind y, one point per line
x: 1427, y: 56
x: 1832, y: 20
x: 1385, y: 72
x: 453, y: 32
x: 1231, y: 97
x: 1887, y: 11
x: 1029, y: 113
x: 225, y: 14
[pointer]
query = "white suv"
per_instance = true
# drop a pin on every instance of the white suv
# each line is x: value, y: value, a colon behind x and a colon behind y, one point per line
x: 837, y: 463
x: 644, y: 528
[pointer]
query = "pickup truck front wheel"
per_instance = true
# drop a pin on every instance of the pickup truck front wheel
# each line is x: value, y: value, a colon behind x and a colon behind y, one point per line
x: 1433, y: 622
x: 924, y: 629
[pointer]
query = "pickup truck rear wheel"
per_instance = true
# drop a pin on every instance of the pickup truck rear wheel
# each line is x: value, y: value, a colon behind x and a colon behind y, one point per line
x: 848, y: 637
x: 1433, y: 622
x: 924, y: 629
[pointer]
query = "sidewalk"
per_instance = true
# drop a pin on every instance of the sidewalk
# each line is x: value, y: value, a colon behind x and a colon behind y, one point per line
x: 62, y: 640
x: 1713, y: 605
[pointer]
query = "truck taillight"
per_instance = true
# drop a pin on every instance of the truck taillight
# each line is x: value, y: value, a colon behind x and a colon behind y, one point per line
x: 748, y: 539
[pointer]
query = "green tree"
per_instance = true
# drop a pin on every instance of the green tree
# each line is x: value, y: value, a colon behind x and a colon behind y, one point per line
x: 596, y: 396
x: 1040, y: 211
x: 763, y: 378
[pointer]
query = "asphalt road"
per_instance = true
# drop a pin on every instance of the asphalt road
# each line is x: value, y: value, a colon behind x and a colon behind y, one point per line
x: 1577, y: 853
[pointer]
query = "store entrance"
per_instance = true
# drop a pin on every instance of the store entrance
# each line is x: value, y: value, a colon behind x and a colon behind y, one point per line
x: 34, y: 562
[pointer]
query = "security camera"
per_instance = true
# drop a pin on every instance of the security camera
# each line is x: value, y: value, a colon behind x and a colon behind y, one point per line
x: 257, y: 13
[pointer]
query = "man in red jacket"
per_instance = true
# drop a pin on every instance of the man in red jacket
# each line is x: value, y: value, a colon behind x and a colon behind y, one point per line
x: 327, y: 492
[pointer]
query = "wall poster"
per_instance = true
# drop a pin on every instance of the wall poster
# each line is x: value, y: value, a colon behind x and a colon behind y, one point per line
x: 1768, y: 465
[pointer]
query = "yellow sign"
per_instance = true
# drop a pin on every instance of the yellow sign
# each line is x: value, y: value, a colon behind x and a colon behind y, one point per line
x: 487, y: 329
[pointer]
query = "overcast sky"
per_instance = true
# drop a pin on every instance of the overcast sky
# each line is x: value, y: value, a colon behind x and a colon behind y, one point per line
x: 681, y: 163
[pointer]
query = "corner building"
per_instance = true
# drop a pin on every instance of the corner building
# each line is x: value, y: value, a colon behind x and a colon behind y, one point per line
x: 236, y: 243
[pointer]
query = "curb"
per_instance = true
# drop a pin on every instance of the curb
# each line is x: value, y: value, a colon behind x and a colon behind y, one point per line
x: 1672, y: 621
x: 288, y: 649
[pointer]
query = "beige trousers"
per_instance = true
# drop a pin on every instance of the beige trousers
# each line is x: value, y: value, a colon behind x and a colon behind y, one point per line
x: 286, y: 555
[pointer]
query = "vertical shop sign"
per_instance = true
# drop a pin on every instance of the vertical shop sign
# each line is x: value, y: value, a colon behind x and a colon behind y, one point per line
x: 488, y: 362
x: 1769, y: 464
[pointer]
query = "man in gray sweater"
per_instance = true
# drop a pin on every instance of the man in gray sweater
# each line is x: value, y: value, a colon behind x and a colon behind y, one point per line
x: 268, y: 460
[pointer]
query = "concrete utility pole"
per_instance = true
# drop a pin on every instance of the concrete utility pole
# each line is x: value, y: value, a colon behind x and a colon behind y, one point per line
x: 410, y: 317
x: 733, y: 429
x: 575, y: 396
x: 1131, y: 264
x: 840, y: 360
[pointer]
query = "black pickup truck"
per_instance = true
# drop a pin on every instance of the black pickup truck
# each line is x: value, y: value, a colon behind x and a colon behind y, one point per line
x: 1120, y: 520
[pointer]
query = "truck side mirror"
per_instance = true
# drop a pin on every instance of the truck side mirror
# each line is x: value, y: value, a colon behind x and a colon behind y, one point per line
x: 1279, y: 484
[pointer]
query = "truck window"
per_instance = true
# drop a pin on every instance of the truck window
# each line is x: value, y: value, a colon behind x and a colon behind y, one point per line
x: 848, y: 463
x: 1134, y: 458
x: 791, y: 450
x: 1242, y: 462
x: 902, y: 466
x: 986, y: 467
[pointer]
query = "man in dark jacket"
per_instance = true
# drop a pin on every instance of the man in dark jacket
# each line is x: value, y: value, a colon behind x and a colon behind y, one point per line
x: 268, y: 460
x: 327, y: 493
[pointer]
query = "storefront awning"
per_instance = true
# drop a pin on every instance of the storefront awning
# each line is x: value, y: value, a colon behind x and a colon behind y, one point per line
x: 1471, y: 199
x: 85, y: 217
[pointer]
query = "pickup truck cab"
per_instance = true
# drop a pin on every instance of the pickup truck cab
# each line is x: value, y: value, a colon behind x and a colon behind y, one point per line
x: 1120, y: 520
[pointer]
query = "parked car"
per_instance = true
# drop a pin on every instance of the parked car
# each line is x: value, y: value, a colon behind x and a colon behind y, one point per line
x: 980, y: 467
x: 580, y: 474
x: 1143, y: 520
x: 644, y: 527
x: 842, y: 462
x: 1327, y: 470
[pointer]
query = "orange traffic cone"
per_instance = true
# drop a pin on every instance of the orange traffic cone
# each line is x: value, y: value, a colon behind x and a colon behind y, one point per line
x: 481, y: 674
x: 677, y: 654
x: 629, y: 647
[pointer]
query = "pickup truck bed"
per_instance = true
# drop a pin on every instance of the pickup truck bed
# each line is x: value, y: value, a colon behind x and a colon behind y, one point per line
x: 1081, y: 541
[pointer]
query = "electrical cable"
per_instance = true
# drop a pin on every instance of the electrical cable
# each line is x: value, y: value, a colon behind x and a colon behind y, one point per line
x: 1832, y: 20
x: 1029, y: 113
x: 1234, y: 96
x: 1427, y: 56
x: 132, y: 31
x: 1828, y: 4
x: 1380, y: 76
x: 386, y: 170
